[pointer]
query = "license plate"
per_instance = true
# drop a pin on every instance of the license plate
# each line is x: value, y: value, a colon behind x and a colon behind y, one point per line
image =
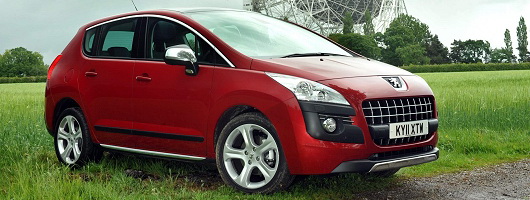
x: 409, y: 129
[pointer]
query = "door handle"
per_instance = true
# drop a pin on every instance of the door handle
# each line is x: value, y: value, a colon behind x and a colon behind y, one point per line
x: 143, y: 78
x: 91, y: 74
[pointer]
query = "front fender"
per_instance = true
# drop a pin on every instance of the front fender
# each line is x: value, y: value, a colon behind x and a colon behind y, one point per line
x: 234, y: 87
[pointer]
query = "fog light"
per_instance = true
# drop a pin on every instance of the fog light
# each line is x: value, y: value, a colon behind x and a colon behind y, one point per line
x: 329, y: 125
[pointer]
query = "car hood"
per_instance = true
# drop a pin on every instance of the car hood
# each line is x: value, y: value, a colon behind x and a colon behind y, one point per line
x: 319, y: 68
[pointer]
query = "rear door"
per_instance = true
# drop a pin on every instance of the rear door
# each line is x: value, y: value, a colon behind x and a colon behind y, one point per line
x: 106, y: 80
x: 170, y: 107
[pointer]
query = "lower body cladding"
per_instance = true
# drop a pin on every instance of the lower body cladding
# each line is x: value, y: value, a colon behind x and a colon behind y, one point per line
x: 367, y: 166
x: 345, y: 148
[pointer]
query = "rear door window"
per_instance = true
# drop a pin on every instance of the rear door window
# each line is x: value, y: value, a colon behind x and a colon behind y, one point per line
x: 119, y: 39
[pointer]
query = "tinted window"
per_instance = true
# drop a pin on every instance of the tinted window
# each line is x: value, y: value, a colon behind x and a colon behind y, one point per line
x: 88, y: 44
x: 163, y: 34
x: 118, y: 39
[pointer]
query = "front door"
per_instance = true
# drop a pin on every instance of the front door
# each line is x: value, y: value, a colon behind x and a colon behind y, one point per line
x: 170, y: 107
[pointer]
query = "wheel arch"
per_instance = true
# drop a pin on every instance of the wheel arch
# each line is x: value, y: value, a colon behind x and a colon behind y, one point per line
x: 278, y: 111
x: 230, y: 114
x: 62, y: 105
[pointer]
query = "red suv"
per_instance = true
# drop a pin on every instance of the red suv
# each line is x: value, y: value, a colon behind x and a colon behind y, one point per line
x: 264, y: 99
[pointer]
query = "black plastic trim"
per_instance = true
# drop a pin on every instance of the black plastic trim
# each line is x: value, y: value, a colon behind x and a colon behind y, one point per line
x: 149, y: 134
x: 327, y: 108
x: 364, y: 166
x: 345, y: 133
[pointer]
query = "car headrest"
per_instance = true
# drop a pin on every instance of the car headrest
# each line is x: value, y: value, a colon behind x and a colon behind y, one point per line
x: 119, y: 52
x: 164, y: 31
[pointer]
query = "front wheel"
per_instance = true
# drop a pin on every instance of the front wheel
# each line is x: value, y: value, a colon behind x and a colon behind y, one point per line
x: 73, y: 145
x: 250, y: 157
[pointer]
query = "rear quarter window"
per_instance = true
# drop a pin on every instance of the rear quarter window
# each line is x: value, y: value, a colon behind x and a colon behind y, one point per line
x: 89, y: 40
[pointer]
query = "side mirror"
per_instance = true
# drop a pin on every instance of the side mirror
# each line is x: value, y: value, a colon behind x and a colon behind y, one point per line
x: 182, y: 55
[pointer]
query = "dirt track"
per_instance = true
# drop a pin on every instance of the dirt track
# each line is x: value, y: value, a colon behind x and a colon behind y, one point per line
x: 505, y: 181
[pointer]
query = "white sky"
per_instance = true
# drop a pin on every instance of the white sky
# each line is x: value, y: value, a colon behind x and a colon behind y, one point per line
x: 46, y: 26
x: 471, y: 19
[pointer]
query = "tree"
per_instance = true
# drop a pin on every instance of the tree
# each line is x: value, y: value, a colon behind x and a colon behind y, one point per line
x: 368, y: 27
x: 522, y: 40
x: 470, y: 51
x: 501, y: 55
x: 405, y: 32
x: 348, y: 23
x: 362, y: 44
x: 436, y: 51
x: 509, y: 47
x: 21, y: 62
x: 412, y: 55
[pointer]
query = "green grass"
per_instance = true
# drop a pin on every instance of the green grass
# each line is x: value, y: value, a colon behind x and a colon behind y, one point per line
x: 463, y: 67
x: 483, y: 120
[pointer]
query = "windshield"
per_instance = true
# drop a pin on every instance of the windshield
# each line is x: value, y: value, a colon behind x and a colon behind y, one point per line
x: 259, y: 36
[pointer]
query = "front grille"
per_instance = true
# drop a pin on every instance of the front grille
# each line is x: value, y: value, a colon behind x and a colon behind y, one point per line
x: 385, y: 111
x: 397, y: 110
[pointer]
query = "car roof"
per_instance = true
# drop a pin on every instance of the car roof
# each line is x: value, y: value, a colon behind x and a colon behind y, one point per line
x: 203, y: 9
x: 181, y: 11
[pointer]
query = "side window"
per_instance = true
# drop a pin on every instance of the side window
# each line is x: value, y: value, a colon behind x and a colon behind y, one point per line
x: 118, y: 39
x: 190, y: 40
x: 163, y: 34
x: 88, y: 42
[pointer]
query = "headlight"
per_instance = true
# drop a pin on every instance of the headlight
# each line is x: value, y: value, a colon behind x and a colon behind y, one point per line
x: 306, y: 90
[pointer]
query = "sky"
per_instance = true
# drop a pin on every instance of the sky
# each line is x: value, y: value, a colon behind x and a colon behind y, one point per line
x: 46, y: 26
x: 471, y: 19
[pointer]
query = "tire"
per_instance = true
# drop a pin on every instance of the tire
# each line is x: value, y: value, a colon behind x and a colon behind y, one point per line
x: 255, y: 165
x: 72, y: 141
x: 384, y: 174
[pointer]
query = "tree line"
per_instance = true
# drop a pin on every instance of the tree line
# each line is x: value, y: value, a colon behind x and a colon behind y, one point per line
x: 19, y: 62
x: 408, y: 41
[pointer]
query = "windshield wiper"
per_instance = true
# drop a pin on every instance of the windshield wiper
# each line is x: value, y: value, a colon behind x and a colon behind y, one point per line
x: 310, y: 54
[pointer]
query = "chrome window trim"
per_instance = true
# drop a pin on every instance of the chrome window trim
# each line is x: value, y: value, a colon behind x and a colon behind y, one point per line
x: 153, y: 153
x: 170, y: 19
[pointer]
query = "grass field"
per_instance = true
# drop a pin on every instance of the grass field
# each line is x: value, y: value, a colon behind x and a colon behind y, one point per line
x: 484, y: 120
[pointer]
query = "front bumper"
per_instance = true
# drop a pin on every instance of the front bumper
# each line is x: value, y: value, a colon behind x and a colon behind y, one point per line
x: 366, y: 166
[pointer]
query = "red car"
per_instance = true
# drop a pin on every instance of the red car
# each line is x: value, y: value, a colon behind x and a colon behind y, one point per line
x: 265, y: 99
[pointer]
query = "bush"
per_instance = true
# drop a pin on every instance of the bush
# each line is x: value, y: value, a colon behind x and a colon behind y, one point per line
x: 26, y: 79
x: 460, y: 67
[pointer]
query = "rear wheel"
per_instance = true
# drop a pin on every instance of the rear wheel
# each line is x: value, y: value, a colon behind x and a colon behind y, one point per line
x: 250, y: 157
x: 73, y: 145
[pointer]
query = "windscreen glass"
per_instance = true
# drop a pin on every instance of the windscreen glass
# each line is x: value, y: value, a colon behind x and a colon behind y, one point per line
x: 259, y: 36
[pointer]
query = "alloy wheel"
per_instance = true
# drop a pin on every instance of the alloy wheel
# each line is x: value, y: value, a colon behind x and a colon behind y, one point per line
x: 250, y: 156
x: 69, y: 139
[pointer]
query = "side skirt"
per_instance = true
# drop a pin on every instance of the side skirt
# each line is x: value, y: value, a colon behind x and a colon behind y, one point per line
x: 152, y: 153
